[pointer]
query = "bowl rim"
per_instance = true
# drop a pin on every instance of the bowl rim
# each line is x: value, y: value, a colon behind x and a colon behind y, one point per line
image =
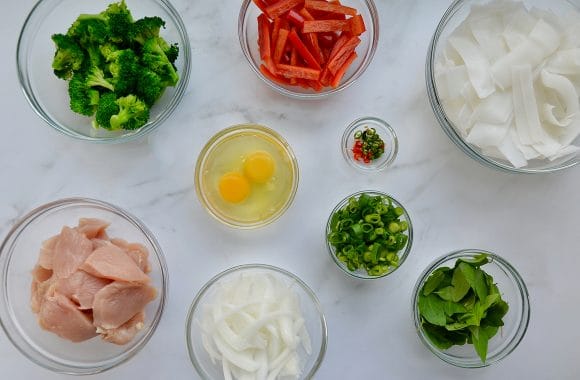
x: 232, y: 131
x: 503, y: 265
x: 359, y: 274
x: 447, y: 125
x: 32, y: 98
x: 244, y: 267
x: 374, y: 40
x: 7, y: 323
x: 391, y: 137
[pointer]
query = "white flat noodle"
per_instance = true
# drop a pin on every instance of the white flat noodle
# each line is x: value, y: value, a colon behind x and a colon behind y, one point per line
x: 571, y: 37
x: 547, y: 36
x: 565, y: 62
x: 571, y: 133
x: 509, y: 150
x: 484, y: 135
x: 451, y: 82
x: 566, y: 91
x: 525, y: 106
x: 226, y: 369
x: 518, y: 28
x: 495, y: 109
x: 565, y: 152
x: 487, y: 33
x: 478, y: 68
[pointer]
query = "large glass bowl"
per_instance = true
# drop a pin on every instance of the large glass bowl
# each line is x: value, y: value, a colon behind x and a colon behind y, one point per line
x: 315, y: 322
x: 361, y: 272
x: 48, y: 95
x: 248, y: 35
x: 206, y: 187
x: 513, y: 291
x: 455, y: 14
x: 18, y: 256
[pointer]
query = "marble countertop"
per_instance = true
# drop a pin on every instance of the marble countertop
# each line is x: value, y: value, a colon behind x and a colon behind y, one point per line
x: 454, y: 202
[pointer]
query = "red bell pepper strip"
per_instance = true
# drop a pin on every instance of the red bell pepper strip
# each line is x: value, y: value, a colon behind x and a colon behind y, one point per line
x: 306, y: 15
x: 340, y: 73
x: 264, y: 41
x: 280, y: 7
x: 303, y: 51
x: 329, y: 7
x: 337, y: 46
x: 336, y: 62
x: 295, y: 18
x: 280, y: 45
x: 321, y: 26
x: 298, y: 72
x: 357, y: 25
x: 261, y: 4
x: 268, y: 74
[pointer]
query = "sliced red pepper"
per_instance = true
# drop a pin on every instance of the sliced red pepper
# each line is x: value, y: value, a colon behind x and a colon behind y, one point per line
x: 280, y: 7
x: 273, y: 77
x: 340, y: 73
x: 312, y: 42
x: 327, y: 40
x: 295, y: 18
x: 280, y: 45
x: 261, y: 4
x: 306, y: 15
x: 264, y: 41
x: 293, y: 62
x: 325, y: 77
x: 329, y: 7
x: 336, y: 62
x: 303, y: 51
x: 276, y: 25
x: 298, y: 72
x: 320, y: 26
x: 337, y: 46
x: 357, y: 25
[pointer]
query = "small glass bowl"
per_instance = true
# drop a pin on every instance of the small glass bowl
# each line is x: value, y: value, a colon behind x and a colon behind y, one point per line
x: 312, y: 311
x: 361, y: 272
x: 248, y: 36
x: 385, y: 132
x: 513, y: 291
x: 48, y: 95
x: 18, y: 256
x: 455, y: 14
x: 206, y: 189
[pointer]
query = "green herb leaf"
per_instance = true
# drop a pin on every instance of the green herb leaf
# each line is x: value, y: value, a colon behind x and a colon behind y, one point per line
x: 480, y: 341
x: 432, y: 308
x: 435, y: 279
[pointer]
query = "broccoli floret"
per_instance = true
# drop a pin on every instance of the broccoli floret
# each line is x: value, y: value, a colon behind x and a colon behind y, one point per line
x: 109, y: 51
x: 90, y: 30
x: 68, y: 57
x: 106, y: 109
x: 149, y: 87
x: 120, y: 21
x: 82, y: 98
x: 155, y: 59
x: 133, y: 113
x: 96, y: 78
x: 146, y: 28
x: 124, y: 68
x: 172, y: 52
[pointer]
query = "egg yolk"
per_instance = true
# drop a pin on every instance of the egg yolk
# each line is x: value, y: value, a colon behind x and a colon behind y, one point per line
x: 234, y: 187
x: 259, y: 167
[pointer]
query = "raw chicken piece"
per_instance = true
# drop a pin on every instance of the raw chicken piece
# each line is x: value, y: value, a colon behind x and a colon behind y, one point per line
x: 60, y: 315
x: 81, y: 287
x: 38, y: 291
x: 71, y: 250
x: 112, y: 262
x: 40, y: 274
x: 47, y: 251
x: 126, y: 332
x: 137, y: 252
x: 93, y: 228
x: 98, y: 243
x: 118, y: 302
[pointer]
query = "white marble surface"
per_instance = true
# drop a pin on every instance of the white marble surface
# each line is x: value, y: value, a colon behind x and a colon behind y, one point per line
x: 454, y: 202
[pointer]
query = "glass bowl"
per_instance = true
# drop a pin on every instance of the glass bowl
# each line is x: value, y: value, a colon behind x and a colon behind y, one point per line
x: 513, y: 291
x: 48, y: 95
x: 237, y: 142
x: 315, y: 322
x: 385, y: 132
x: 248, y: 35
x: 455, y: 14
x: 18, y: 256
x: 361, y: 273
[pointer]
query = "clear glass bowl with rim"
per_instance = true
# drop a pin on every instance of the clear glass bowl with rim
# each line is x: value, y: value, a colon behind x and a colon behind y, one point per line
x: 315, y: 321
x: 48, y: 95
x: 513, y: 291
x: 455, y: 14
x: 248, y: 36
x: 18, y: 255
x: 361, y: 273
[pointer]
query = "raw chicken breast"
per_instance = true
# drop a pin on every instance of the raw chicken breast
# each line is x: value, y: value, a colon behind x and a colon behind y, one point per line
x: 93, y: 228
x: 137, y: 252
x: 60, y: 315
x: 110, y: 261
x: 38, y: 291
x: 70, y: 251
x: 40, y: 274
x: 126, y: 332
x: 81, y: 287
x: 118, y: 302
x: 47, y: 251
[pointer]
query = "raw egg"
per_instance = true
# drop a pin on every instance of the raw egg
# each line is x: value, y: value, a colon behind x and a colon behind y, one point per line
x: 259, y: 167
x: 234, y: 187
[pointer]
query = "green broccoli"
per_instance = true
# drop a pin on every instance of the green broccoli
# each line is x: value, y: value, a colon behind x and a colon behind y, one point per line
x: 68, y: 57
x: 120, y: 21
x: 124, y: 68
x: 155, y: 59
x: 96, y: 78
x: 172, y: 52
x: 133, y: 114
x: 108, y: 51
x: 89, y: 30
x: 83, y: 99
x: 149, y: 87
x: 146, y: 28
x: 106, y: 109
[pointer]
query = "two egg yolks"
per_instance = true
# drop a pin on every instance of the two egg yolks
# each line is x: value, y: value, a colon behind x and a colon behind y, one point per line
x: 235, y: 187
